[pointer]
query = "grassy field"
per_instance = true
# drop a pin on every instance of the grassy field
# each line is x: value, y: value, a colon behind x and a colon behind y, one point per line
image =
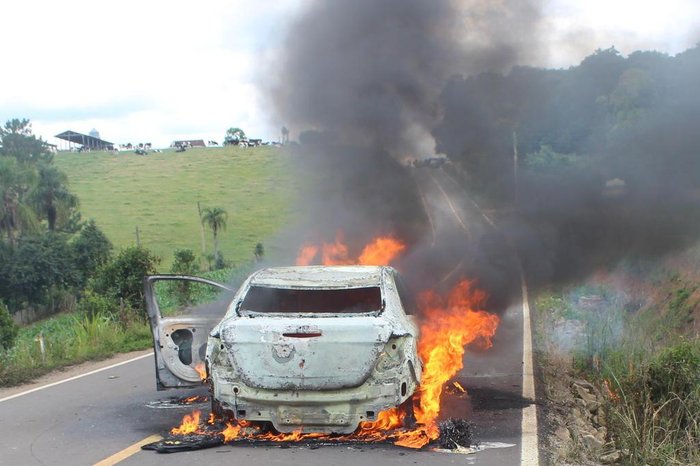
x: 158, y: 193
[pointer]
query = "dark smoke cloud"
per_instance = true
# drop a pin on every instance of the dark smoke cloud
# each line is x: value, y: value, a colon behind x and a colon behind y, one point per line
x: 369, y: 72
x: 361, y: 81
x: 370, y: 82
x: 632, y: 189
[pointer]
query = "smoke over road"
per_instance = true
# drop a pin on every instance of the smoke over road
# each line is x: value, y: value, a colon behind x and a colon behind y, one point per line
x: 370, y: 83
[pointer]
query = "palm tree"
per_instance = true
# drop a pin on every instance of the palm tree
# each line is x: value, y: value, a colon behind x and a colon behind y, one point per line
x: 51, y: 196
x: 15, y: 214
x: 215, y: 218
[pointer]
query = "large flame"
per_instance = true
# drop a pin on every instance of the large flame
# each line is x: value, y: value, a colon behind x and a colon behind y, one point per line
x: 190, y: 424
x: 449, y: 324
x: 383, y: 250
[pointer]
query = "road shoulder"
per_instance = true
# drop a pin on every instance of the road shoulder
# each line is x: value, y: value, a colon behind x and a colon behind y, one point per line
x: 70, y: 371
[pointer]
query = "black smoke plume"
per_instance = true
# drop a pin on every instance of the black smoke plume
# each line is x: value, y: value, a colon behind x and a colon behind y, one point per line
x: 372, y: 83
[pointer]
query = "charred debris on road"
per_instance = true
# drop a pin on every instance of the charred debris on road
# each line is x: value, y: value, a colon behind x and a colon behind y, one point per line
x: 455, y: 434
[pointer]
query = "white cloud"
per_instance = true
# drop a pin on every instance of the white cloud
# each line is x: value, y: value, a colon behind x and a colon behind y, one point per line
x: 155, y: 70
x: 147, y: 70
x: 577, y: 28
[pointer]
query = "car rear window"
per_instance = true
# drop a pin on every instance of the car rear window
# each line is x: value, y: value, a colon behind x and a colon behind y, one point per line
x: 345, y: 301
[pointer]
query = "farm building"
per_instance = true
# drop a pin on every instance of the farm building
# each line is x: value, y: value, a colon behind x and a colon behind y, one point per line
x: 189, y: 143
x: 85, y: 141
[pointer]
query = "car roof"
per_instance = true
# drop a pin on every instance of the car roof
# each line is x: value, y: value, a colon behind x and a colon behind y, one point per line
x: 319, y: 276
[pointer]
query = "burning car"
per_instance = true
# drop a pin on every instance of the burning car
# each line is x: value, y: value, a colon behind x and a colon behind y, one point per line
x: 311, y: 348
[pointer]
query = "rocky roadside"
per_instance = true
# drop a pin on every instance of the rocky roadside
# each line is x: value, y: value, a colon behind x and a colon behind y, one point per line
x: 577, y: 420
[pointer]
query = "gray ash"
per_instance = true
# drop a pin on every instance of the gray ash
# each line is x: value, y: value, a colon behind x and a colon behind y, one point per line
x: 455, y: 432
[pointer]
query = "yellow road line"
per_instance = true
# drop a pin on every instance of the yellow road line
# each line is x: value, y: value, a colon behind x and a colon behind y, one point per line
x: 128, y: 451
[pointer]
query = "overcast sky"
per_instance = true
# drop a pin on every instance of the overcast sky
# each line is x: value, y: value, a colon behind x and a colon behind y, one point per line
x: 155, y: 71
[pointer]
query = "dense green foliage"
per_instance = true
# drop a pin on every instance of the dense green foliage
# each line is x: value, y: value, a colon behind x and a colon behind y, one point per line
x: 184, y: 263
x: 610, y: 116
x: 92, y: 250
x: 8, y: 328
x: 122, y: 278
x: 36, y: 266
x: 47, y: 253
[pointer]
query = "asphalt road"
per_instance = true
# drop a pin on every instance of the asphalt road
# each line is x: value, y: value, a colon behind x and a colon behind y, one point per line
x: 90, y: 419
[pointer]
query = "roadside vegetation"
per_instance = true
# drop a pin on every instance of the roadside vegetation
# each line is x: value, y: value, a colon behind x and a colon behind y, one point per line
x: 200, y: 212
x: 632, y: 334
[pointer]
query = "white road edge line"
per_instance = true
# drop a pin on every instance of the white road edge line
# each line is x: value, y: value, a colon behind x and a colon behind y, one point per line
x: 529, y: 448
x: 17, y: 395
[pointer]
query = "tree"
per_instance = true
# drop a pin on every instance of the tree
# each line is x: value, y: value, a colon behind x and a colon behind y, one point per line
x: 285, y: 135
x: 36, y: 267
x: 51, y: 196
x: 92, y: 249
x: 19, y: 142
x: 8, y: 328
x: 185, y: 262
x: 215, y: 218
x: 234, y: 134
x: 15, y: 215
x: 122, y: 278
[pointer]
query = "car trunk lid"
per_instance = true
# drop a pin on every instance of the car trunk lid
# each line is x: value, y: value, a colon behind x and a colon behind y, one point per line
x: 305, y: 353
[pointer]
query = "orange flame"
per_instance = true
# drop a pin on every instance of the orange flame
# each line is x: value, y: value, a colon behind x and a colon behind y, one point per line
x: 459, y: 387
x: 381, y: 251
x: 447, y: 328
x: 201, y: 370
x: 190, y: 424
x: 611, y: 393
x: 307, y: 255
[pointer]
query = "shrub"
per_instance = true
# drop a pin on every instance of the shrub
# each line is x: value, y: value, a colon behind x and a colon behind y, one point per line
x: 675, y: 371
x: 220, y: 262
x: 8, y: 328
x: 92, y: 250
x: 657, y: 417
x: 37, y: 265
x: 184, y: 263
x: 93, y: 304
x: 122, y: 279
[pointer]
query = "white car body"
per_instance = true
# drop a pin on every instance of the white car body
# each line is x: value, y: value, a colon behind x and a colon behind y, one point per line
x: 316, y: 348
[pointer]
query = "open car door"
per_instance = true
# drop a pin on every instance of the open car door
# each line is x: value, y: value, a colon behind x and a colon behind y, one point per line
x: 182, y: 311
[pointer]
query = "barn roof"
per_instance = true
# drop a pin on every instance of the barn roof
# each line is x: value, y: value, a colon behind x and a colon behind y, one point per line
x: 84, y: 139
